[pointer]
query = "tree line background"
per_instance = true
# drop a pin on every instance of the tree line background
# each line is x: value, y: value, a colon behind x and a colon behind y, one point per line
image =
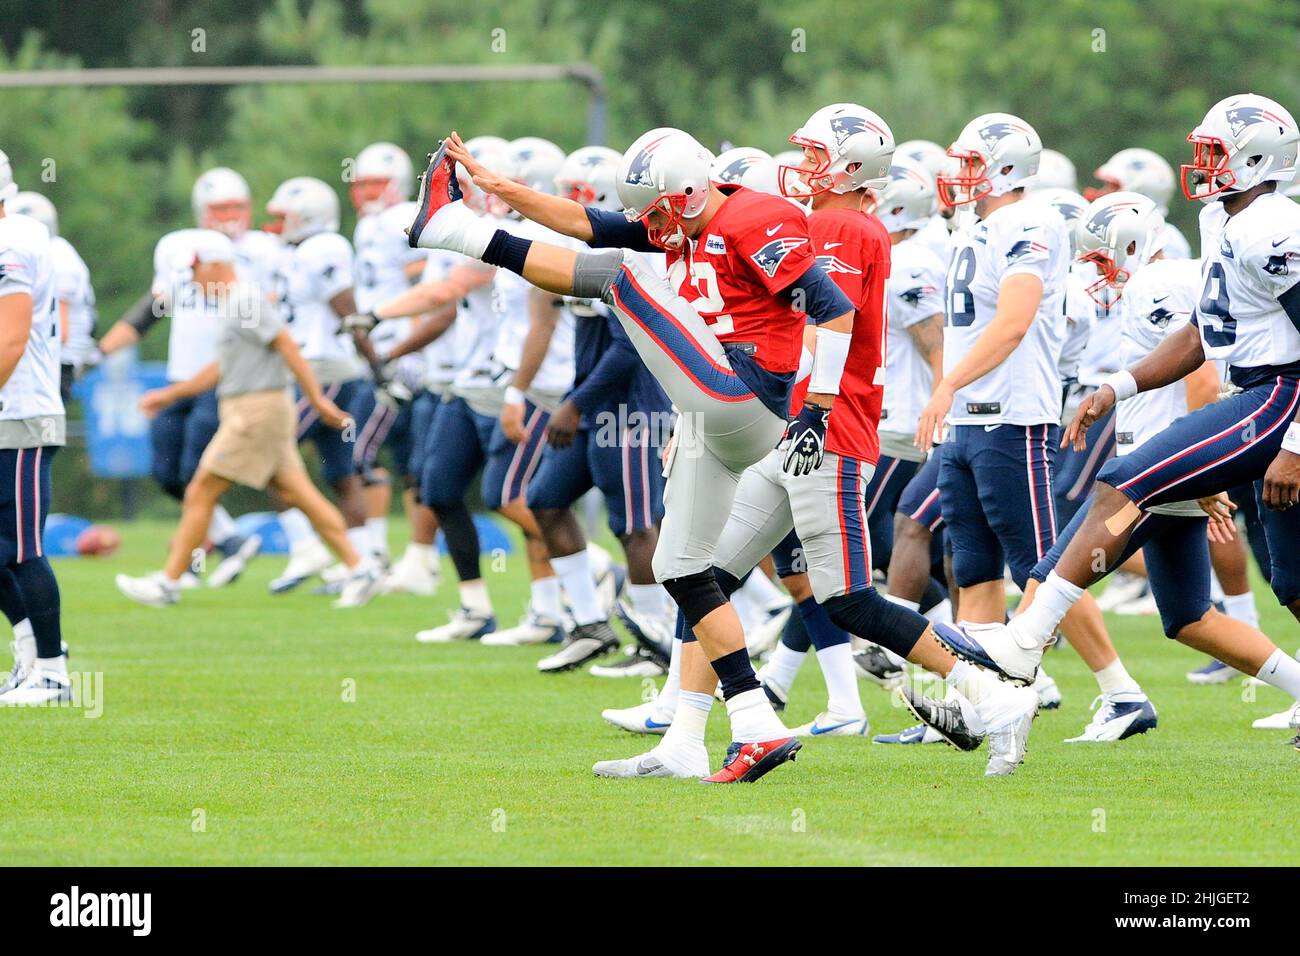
x: 1092, y: 76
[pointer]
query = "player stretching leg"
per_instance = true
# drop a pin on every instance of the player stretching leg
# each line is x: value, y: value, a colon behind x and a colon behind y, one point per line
x: 1248, y: 315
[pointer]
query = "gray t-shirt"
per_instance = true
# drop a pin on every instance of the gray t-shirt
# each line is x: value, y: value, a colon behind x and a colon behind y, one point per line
x: 247, y: 360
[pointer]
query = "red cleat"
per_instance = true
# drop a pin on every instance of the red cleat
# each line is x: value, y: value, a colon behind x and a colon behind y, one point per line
x: 747, y: 762
x: 438, y: 188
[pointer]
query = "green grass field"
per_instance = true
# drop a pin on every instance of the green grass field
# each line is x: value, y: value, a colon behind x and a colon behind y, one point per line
x: 240, y: 728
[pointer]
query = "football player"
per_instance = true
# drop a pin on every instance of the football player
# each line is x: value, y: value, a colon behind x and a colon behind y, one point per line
x: 1248, y: 314
x: 1055, y: 171
x: 1140, y: 170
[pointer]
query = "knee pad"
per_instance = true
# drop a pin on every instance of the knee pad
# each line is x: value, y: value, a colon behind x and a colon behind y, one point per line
x: 697, y: 595
x: 728, y: 582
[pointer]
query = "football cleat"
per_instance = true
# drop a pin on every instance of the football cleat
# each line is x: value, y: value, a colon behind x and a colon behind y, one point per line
x: 746, y: 763
x: 637, y: 662
x: 533, y: 629
x: 151, y: 590
x: 360, y: 587
x: 762, y: 635
x: 654, y: 635
x: 920, y: 734
x: 465, y: 625
x: 41, y: 686
x: 1009, y: 744
x: 1120, y: 716
x: 955, y: 726
x: 1143, y: 606
x: 997, y: 647
x: 1282, y: 720
x: 188, y: 581
x: 651, y: 765
x: 1049, y: 695
x: 775, y: 695
x: 827, y: 724
x: 232, y: 566
x: 876, y: 666
x: 410, y: 575
x: 305, y: 562
x: 437, y: 209
x: 645, y: 718
x: 587, y: 642
x: 1123, y: 587
x: 1215, y: 672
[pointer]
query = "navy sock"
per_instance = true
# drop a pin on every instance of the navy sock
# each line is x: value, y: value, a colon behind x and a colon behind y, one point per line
x: 796, y: 634
x: 40, y: 593
x: 507, y: 251
x: 736, y: 673
x: 871, y: 616
x: 11, y: 597
x: 457, y: 526
x: 822, y: 631
x: 935, y: 593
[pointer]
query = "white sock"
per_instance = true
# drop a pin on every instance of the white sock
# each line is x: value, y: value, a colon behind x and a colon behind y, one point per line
x: 758, y: 587
x: 57, y: 664
x: 222, y: 526
x: 690, y: 720
x: 24, y: 644
x: 783, y: 666
x: 666, y: 702
x: 360, y: 539
x: 1241, y: 607
x: 903, y: 602
x: 1114, y: 679
x: 474, y: 595
x: 378, y: 531
x: 296, y: 528
x: 941, y: 613
x: 842, y: 698
x: 546, y: 598
x: 648, y: 599
x: 753, y: 719
x: 575, y: 573
x: 421, y: 554
x: 972, y: 686
x: 1052, y: 601
x: 1216, y: 589
x: 1283, y: 672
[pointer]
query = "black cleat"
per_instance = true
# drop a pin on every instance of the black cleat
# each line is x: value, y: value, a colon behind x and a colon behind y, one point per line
x: 585, y: 643
x: 945, y: 717
x: 874, y: 664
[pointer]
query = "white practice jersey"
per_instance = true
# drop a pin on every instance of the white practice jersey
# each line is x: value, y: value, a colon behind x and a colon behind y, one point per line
x: 1174, y: 244
x: 72, y: 285
x: 192, y: 341
x: 1157, y: 302
x: 382, y: 257
x: 32, y: 391
x: 257, y: 257
x: 315, y: 271
x: 934, y: 235
x: 1080, y: 314
x: 915, y: 294
x: 445, y: 355
x: 481, y: 380
x: 1249, y: 307
x: 1020, y: 238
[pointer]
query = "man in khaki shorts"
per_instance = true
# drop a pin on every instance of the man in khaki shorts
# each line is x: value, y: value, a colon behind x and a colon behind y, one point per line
x: 256, y: 444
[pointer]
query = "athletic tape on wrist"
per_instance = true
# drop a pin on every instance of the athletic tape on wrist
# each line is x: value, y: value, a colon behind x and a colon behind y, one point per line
x: 828, y: 361
x: 1122, y: 383
x: 1291, y: 440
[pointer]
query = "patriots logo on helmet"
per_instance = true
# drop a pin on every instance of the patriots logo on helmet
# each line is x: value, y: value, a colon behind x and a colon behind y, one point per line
x: 995, y: 132
x: 769, y: 258
x: 736, y: 168
x: 832, y: 264
x: 1069, y: 211
x: 845, y: 126
x: 1277, y: 265
x: 638, y: 171
x: 1023, y: 247
x: 591, y: 161
x: 1101, y: 219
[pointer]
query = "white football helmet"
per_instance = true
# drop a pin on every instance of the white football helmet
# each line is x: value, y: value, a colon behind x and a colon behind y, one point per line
x: 534, y: 162
x: 490, y: 151
x: 851, y: 149
x: 907, y: 201
x: 997, y: 153
x: 37, y: 207
x: 1135, y: 170
x: 731, y: 165
x: 7, y: 188
x: 382, y: 177
x: 931, y: 156
x: 588, y: 176
x: 224, y: 188
x: 1055, y: 171
x: 1243, y: 141
x: 305, y: 206
x: 1118, y: 233
x: 1065, y: 201
x: 788, y: 157
x: 763, y: 176
x: 665, y: 171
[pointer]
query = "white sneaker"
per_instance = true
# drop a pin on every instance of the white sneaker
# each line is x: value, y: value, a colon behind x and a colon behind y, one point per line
x: 1123, y: 587
x: 762, y: 635
x: 188, y: 581
x: 1049, y: 695
x: 651, y: 765
x: 533, y: 629
x: 644, y: 718
x: 152, y: 590
x: 1008, y: 714
x: 610, y: 578
x: 17, y: 675
x: 411, y: 575
x: 41, y: 686
x: 827, y: 724
x: 649, y: 630
x: 307, y: 561
x: 1140, y: 606
x: 1120, y: 716
x: 360, y: 587
x: 465, y: 625
x: 998, y: 647
x: 1287, y: 719
x: 233, y: 566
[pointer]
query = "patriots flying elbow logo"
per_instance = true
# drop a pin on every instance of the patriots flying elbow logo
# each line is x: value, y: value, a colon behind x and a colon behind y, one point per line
x: 638, y: 171
x: 1023, y: 247
x: 996, y: 132
x: 913, y: 296
x: 1160, y: 318
x: 735, y: 169
x: 1101, y: 220
x: 845, y: 126
x: 769, y: 258
x: 1277, y: 265
x: 833, y: 264
x: 1239, y: 117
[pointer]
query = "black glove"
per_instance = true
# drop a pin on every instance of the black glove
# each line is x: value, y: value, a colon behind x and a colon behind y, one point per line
x: 805, y: 441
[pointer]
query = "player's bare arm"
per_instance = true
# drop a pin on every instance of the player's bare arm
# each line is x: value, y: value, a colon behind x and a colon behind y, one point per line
x: 330, y: 413
x: 429, y: 329
x: 137, y: 320
x: 15, y: 326
x: 927, y: 336
x: 204, y: 380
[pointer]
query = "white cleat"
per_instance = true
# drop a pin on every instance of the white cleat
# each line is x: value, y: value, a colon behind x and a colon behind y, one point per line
x: 151, y: 590
x: 1143, y: 606
x: 998, y: 647
x: 1288, y: 719
x: 652, y: 765
x: 442, y: 220
x: 827, y: 724
x: 233, y: 566
x: 1049, y: 695
x: 41, y: 686
x: 645, y: 718
x: 1008, y: 716
x: 188, y: 581
x: 411, y: 575
x: 1123, y: 587
x: 305, y: 562
x: 360, y: 587
x: 1120, y: 716
x: 465, y: 625
x: 762, y: 635
x: 533, y: 629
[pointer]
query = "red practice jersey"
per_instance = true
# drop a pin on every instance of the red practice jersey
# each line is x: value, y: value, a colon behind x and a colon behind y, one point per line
x: 754, y: 247
x: 853, y: 249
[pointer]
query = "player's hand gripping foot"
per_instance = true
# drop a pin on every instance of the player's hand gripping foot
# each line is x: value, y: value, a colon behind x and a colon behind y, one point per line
x: 442, y: 220
x: 999, y: 647
x: 745, y: 763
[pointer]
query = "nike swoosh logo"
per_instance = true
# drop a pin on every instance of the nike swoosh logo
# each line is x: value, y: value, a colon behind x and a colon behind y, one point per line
x: 642, y: 770
x: 653, y: 724
x: 989, y: 428
x: 916, y: 275
x: 1280, y: 241
x: 1029, y: 228
x: 775, y: 229
x: 826, y: 730
x: 1159, y: 300
x: 829, y: 245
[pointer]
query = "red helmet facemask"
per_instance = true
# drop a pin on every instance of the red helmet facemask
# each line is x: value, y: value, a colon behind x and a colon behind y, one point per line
x: 1207, y: 168
x: 1108, y: 289
x: 232, y: 217
x: 578, y: 191
x: 674, y: 207
x: 1107, y: 187
x: 965, y: 187
x: 372, y: 190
